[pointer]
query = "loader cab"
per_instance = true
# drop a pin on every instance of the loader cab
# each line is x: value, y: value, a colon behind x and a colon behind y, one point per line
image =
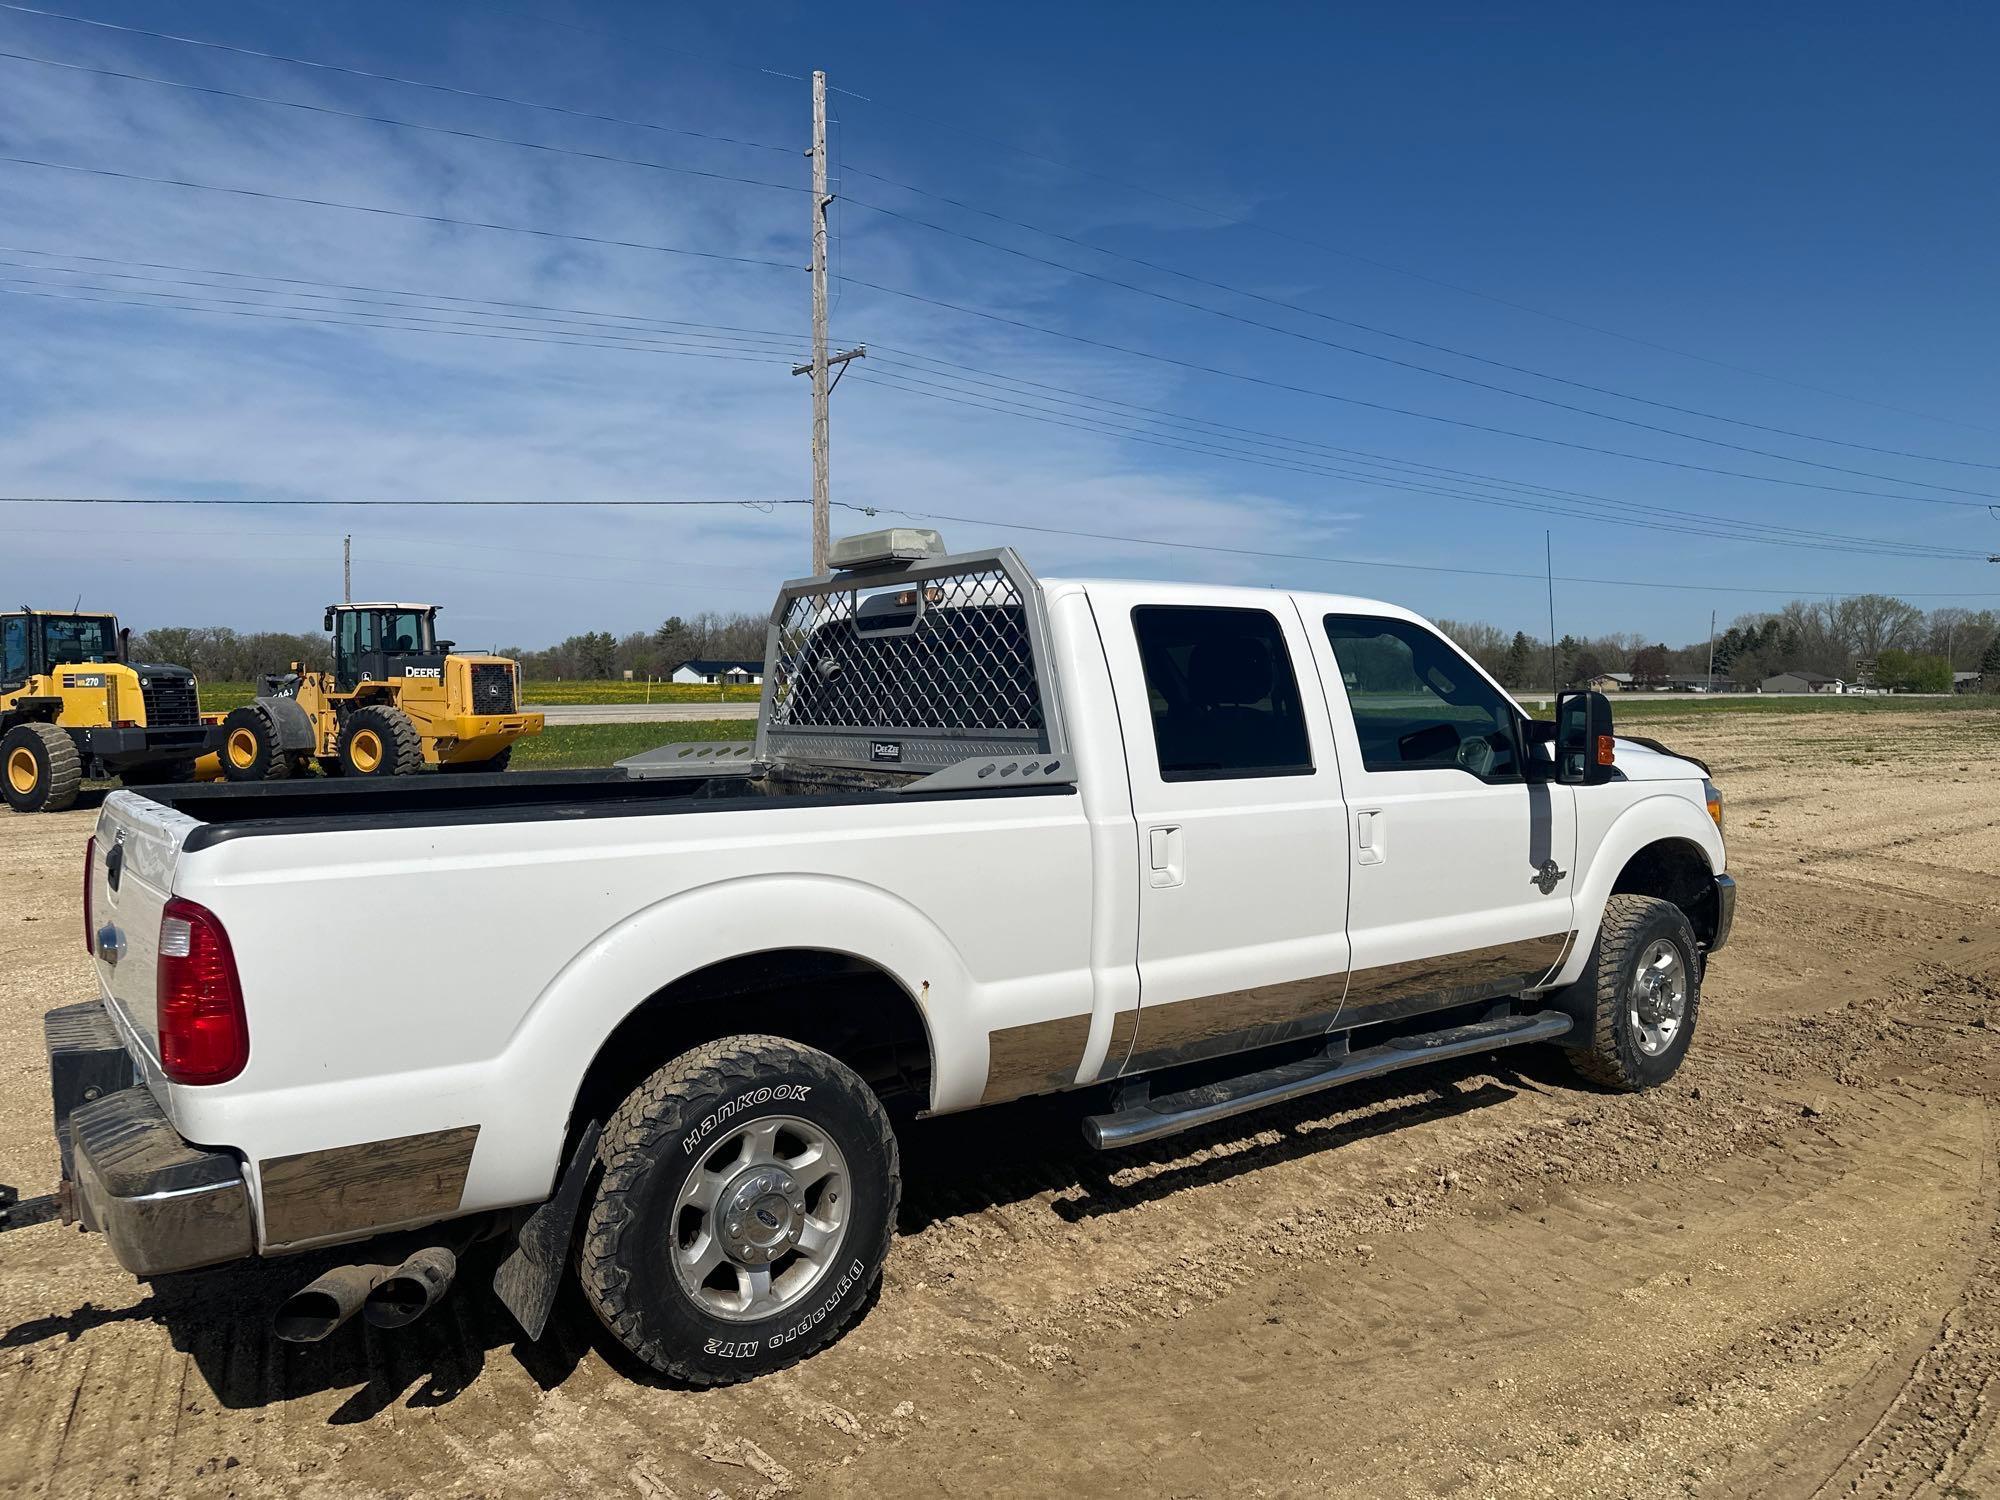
x: 33, y: 642
x: 378, y: 642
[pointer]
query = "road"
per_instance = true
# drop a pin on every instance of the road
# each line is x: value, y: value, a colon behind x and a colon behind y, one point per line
x: 639, y: 713
x: 1777, y: 1276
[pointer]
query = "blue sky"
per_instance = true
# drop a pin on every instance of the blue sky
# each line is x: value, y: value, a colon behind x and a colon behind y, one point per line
x: 1805, y: 193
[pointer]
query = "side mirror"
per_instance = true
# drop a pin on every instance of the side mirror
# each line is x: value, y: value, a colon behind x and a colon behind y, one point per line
x: 327, y: 623
x: 1586, y: 751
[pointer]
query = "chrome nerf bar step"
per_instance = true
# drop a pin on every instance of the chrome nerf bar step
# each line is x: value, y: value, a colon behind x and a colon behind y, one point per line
x: 1150, y: 1118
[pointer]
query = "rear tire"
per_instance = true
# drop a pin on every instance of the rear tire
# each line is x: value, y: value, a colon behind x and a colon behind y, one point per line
x: 250, y: 748
x: 380, y: 741
x: 744, y: 1209
x: 40, y: 768
x: 1637, y: 999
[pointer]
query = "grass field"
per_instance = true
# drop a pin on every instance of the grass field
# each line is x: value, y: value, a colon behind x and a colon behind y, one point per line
x: 220, y: 697
x: 571, y: 746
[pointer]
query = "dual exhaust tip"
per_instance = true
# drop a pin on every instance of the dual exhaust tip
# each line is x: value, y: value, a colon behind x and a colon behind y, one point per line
x: 385, y: 1296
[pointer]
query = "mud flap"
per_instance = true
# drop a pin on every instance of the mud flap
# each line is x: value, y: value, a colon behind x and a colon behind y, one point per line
x: 527, y: 1279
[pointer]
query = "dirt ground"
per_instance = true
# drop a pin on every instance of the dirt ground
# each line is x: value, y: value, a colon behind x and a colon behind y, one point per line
x: 1779, y: 1276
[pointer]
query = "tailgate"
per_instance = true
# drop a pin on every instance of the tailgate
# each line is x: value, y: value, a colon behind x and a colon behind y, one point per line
x: 131, y: 875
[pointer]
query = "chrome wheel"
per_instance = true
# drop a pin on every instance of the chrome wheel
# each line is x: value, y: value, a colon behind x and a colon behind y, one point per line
x: 1659, y: 997
x: 761, y: 1218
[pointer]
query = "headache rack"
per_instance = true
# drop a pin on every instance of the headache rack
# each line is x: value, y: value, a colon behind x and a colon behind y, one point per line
x: 931, y: 667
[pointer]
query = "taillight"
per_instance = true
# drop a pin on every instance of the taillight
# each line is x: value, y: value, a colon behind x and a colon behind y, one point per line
x: 204, y: 1035
x: 89, y: 867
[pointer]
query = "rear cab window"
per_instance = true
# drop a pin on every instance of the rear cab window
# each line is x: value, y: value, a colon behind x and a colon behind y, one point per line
x: 1223, y: 693
x: 1420, y: 705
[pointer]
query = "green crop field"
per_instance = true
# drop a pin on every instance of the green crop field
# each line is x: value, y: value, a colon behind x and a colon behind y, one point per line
x: 570, y: 746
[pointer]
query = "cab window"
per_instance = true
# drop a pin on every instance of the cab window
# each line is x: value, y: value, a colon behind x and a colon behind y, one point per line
x: 403, y: 630
x: 13, y: 650
x: 1418, y: 704
x: 1224, y: 698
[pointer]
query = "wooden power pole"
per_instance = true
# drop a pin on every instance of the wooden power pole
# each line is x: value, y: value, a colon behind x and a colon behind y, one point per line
x: 347, y: 570
x: 820, y: 364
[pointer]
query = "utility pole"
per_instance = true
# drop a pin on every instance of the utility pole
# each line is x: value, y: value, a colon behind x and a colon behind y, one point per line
x: 822, y: 388
x: 1711, y: 653
x: 347, y: 569
x: 1549, y: 557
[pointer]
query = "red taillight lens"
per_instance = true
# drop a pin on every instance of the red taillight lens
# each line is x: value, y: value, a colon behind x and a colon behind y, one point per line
x: 204, y: 1036
x: 89, y: 865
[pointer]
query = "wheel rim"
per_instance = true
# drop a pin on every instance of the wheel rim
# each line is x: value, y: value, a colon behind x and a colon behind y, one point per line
x: 23, y: 773
x: 761, y: 1219
x: 1659, y: 997
x: 242, y: 749
x: 366, y: 749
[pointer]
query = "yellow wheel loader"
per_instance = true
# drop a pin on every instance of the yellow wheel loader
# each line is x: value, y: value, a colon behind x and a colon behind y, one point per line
x: 73, y: 706
x: 397, y: 700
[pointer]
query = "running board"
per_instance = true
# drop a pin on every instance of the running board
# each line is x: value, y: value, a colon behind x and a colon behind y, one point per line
x: 1148, y: 1118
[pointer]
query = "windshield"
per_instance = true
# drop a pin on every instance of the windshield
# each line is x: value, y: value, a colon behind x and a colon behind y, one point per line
x: 79, y: 638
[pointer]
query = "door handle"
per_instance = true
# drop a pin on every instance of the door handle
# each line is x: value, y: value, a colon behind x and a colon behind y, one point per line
x: 1164, y: 857
x: 1368, y: 841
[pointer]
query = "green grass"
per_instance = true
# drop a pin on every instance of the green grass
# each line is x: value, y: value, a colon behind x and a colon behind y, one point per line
x: 563, y: 747
x: 1626, y: 707
x: 220, y: 697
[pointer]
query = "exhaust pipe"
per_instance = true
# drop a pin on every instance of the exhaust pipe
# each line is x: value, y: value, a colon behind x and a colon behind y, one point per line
x: 309, y: 1315
x: 412, y: 1289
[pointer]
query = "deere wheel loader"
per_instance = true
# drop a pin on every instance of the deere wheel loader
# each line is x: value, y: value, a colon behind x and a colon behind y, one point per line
x: 73, y: 706
x: 397, y: 700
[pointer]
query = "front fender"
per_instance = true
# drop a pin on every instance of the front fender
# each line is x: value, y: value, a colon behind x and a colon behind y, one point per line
x: 1653, y: 817
x: 544, y: 1061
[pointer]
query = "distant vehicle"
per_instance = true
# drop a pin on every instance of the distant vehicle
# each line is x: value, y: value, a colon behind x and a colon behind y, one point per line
x: 997, y: 837
x: 397, y: 700
x: 73, y: 707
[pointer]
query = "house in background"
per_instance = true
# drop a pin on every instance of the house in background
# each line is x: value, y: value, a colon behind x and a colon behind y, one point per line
x: 713, y: 672
x: 1966, y: 682
x: 1610, y: 682
x: 1802, y: 682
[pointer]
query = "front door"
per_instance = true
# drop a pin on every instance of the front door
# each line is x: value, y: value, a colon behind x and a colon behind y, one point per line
x: 1242, y: 836
x: 1462, y: 847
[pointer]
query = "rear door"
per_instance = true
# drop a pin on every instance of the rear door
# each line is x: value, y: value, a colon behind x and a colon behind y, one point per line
x: 1242, y: 835
x: 1462, y: 846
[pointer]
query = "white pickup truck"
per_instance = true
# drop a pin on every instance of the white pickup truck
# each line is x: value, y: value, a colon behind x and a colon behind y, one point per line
x: 996, y: 837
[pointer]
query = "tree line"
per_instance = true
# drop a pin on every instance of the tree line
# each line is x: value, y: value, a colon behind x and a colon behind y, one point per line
x: 1877, y: 637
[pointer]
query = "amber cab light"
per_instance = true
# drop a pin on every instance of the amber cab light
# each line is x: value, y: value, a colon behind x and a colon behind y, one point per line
x: 1607, y: 750
x: 89, y: 927
x: 204, y: 1035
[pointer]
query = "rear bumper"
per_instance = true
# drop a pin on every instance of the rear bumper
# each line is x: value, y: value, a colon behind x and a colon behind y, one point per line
x: 1725, y: 911
x: 116, y: 747
x: 163, y: 1204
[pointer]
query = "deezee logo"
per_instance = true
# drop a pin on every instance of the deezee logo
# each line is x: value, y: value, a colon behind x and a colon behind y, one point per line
x: 736, y: 1106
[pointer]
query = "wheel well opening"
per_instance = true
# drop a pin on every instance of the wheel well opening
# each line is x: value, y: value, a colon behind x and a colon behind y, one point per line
x: 1674, y: 870
x: 842, y: 1005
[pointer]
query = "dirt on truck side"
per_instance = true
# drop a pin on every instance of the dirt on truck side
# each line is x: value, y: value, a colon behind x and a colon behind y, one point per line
x: 1779, y: 1275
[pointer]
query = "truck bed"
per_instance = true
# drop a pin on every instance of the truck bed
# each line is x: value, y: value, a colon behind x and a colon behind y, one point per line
x: 236, y: 810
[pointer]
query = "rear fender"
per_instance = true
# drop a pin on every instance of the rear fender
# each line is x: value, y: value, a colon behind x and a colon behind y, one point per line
x: 535, y: 1080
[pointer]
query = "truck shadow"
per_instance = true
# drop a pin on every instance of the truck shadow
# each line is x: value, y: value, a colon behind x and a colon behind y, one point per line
x: 953, y: 1166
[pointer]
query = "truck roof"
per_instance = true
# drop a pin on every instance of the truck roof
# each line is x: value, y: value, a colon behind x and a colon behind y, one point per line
x: 1229, y: 593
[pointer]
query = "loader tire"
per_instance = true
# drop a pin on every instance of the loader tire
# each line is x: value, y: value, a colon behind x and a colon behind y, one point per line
x: 40, y: 769
x: 250, y: 747
x: 778, y: 1156
x: 380, y: 741
x: 1636, y: 1001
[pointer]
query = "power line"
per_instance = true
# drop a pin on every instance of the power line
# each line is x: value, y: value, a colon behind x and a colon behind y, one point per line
x: 1707, y: 532
x: 954, y: 371
x: 396, y: 213
x: 351, y: 114
x: 1300, y: 390
x: 1385, y: 333
x: 557, y: 340
x: 293, y: 502
x: 415, y: 83
x: 348, y: 286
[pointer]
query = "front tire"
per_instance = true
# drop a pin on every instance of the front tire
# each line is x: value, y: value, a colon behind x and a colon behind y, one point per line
x: 380, y: 741
x: 40, y: 768
x: 745, y: 1205
x: 250, y: 748
x: 1636, y: 1001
